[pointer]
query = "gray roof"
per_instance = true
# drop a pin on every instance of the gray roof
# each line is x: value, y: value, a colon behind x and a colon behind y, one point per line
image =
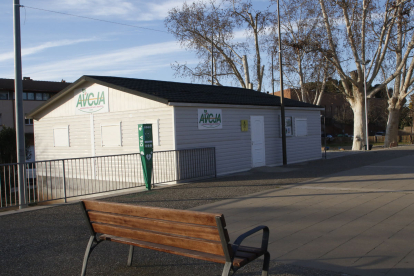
x: 196, y: 93
x: 177, y: 92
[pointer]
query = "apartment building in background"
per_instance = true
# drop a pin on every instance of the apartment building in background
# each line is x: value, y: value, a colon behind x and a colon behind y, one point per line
x: 34, y: 94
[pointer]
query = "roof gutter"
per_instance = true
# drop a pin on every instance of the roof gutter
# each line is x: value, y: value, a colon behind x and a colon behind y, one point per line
x: 242, y: 106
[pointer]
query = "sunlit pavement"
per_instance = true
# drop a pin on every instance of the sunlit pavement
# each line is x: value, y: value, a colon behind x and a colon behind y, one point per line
x: 358, y: 221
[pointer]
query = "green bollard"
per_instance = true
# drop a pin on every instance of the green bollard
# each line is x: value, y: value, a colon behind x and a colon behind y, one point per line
x: 146, y: 151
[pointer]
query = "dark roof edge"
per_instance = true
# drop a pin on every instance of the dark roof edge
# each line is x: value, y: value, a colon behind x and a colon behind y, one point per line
x: 314, y: 107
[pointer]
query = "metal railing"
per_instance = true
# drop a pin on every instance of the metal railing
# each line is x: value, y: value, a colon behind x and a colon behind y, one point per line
x: 66, y: 178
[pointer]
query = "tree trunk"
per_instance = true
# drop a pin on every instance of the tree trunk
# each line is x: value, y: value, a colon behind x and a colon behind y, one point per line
x: 246, y: 71
x: 357, y: 105
x: 394, y: 108
x: 391, y: 135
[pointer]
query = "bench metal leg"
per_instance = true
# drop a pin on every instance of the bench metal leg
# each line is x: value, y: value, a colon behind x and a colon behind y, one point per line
x: 88, y: 251
x: 266, y: 261
x: 131, y: 254
x: 227, y: 269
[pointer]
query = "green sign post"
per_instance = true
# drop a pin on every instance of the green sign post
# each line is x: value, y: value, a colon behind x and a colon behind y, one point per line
x: 145, y: 148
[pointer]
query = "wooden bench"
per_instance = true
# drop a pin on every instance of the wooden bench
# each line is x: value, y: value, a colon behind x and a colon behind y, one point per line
x: 188, y: 233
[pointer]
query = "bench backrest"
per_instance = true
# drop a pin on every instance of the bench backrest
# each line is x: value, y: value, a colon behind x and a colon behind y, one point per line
x: 176, y: 228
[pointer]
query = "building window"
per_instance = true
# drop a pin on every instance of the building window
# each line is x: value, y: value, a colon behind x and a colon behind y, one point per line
x: 30, y: 96
x: 111, y: 135
x: 301, y: 127
x: 61, y: 136
x: 4, y: 95
x: 28, y: 122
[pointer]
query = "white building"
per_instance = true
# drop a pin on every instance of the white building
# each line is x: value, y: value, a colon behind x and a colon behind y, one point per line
x: 98, y: 116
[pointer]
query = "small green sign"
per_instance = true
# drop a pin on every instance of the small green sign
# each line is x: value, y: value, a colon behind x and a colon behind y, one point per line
x: 146, y: 151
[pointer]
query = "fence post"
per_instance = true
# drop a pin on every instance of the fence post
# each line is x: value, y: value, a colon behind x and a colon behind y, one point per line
x: 64, y: 180
x: 21, y: 180
x: 215, y: 163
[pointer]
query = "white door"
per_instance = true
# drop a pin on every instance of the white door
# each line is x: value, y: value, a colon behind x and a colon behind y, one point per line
x: 258, y: 141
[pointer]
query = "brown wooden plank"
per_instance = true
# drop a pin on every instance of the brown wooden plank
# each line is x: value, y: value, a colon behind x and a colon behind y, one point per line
x: 239, y: 262
x: 153, y: 212
x: 212, y: 247
x: 168, y: 249
x: 169, y: 227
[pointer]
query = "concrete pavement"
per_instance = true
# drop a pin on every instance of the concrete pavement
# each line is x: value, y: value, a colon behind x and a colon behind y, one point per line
x: 358, y: 221
x: 305, y: 204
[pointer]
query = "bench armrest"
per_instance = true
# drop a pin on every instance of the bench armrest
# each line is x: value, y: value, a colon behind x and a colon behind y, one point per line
x: 265, y: 238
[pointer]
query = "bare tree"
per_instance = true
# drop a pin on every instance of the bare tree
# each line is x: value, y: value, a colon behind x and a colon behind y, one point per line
x: 210, y: 30
x: 403, y: 83
x: 344, y: 115
x: 366, y: 28
x: 305, y: 67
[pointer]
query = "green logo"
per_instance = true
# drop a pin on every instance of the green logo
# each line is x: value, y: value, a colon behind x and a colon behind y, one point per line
x: 210, y: 120
x: 87, y: 102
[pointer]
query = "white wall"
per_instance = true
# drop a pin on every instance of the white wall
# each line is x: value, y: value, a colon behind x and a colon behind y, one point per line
x: 129, y: 124
x: 79, y: 138
x: 118, y: 101
x: 233, y: 147
x: 124, y: 108
x: 303, y: 148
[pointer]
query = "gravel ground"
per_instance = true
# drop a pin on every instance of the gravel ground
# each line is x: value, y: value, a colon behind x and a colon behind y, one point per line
x: 52, y: 241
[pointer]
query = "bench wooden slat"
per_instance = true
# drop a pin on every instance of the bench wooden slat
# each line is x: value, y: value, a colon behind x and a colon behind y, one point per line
x: 212, y: 247
x: 238, y: 261
x: 154, y: 212
x: 169, y: 249
x: 177, y: 228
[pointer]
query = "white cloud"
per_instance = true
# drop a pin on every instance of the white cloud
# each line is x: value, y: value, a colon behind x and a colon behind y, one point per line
x: 160, y: 10
x: 137, y: 10
x: 127, y: 61
x: 94, y: 7
x: 44, y: 46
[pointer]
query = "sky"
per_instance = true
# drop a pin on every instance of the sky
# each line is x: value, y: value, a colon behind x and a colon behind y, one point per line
x: 56, y: 46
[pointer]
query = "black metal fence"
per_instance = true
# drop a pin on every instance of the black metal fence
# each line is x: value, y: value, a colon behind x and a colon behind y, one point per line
x: 66, y: 178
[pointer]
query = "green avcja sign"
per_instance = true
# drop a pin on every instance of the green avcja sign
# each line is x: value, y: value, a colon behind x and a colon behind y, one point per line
x: 92, y: 99
x: 146, y: 151
x: 209, y: 118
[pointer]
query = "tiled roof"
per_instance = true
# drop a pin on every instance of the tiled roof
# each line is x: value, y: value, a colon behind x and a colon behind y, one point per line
x: 196, y: 93
x: 33, y: 85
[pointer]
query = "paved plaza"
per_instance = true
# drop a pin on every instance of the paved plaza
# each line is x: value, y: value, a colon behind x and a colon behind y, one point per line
x: 358, y: 221
x: 348, y: 215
